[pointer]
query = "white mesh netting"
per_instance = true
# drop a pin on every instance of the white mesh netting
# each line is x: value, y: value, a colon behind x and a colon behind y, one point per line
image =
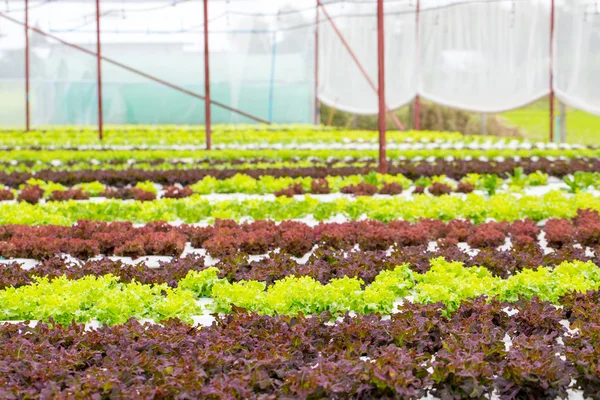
x: 480, y: 55
x: 577, y: 48
x: 342, y: 84
x: 484, y: 56
x: 261, y: 59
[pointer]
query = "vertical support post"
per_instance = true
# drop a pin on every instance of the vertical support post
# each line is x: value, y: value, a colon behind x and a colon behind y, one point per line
x: 551, y: 96
x: 417, y: 106
x: 27, y: 110
x: 99, y: 67
x: 207, y: 121
x: 317, y: 116
x: 381, y: 86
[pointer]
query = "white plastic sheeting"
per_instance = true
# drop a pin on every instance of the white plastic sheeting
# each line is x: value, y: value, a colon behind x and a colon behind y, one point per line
x: 263, y: 53
x: 156, y: 40
x: 12, y: 71
x: 342, y: 84
x: 480, y: 55
x: 484, y: 56
x: 261, y: 56
x: 577, y: 77
x: 63, y: 79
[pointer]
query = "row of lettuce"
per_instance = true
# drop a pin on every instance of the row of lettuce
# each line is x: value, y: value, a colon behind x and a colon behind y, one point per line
x: 10, y: 166
x: 108, y: 155
x: 478, y: 208
x: 310, y: 166
x: 221, y: 134
x: 576, y: 174
x: 478, y: 351
x: 360, y: 185
x: 89, y: 239
x: 323, y: 265
x: 105, y: 299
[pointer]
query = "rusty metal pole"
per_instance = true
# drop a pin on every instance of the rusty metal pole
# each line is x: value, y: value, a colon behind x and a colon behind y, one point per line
x: 27, y: 109
x: 551, y: 96
x: 417, y: 106
x: 317, y: 117
x: 99, y: 67
x: 381, y: 86
x: 207, y: 80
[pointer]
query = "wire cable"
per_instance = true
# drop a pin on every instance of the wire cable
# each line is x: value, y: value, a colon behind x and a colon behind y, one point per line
x: 284, y: 28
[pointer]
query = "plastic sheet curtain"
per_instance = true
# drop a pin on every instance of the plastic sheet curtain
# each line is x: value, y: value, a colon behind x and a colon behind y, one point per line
x: 161, y: 39
x: 261, y: 52
x: 12, y: 70
x: 341, y: 83
x: 480, y: 55
x: 63, y: 80
x: 577, y: 64
x: 486, y: 56
x: 262, y: 59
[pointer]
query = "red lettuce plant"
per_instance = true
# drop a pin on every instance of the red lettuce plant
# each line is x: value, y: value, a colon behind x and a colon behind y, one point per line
x: 31, y: 194
x: 176, y: 192
x: 291, y: 191
x: 439, y: 188
x: 486, y: 236
x: 465, y: 187
x: 128, y: 194
x: 360, y: 189
x: 70, y: 194
x: 6, y: 194
x: 559, y: 232
x: 392, y: 188
x: 320, y: 186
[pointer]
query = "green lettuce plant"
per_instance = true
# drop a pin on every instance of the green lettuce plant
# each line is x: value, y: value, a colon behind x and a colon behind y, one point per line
x: 107, y: 300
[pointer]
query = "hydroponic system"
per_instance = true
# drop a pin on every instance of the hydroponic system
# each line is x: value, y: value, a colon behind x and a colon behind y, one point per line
x: 295, y: 259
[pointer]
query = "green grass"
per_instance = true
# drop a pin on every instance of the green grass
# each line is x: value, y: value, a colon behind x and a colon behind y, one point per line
x: 533, y: 121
